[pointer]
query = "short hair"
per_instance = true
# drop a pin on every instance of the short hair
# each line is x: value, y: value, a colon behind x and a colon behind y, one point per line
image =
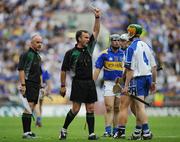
x: 34, y: 35
x: 79, y: 33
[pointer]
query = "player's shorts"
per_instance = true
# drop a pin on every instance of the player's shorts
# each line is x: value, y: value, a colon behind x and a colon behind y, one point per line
x: 140, y: 86
x: 32, y: 92
x: 108, y: 88
x: 83, y: 91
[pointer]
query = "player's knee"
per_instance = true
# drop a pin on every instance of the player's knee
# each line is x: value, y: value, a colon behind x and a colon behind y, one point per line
x: 109, y: 108
x: 75, y: 110
x: 90, y: 109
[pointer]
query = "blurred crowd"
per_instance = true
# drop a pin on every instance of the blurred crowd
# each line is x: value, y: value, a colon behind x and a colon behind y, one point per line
x: 20, y: 19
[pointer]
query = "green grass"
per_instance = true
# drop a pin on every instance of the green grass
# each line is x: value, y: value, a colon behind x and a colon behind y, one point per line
x: 165, y: 129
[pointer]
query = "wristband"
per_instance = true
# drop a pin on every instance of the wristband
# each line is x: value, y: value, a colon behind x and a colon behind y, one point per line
x: 97, y: 17
x: 62, y: 85
x: 23, y: 84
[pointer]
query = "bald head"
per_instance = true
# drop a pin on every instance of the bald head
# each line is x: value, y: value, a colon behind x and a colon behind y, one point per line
x: 36, y: 42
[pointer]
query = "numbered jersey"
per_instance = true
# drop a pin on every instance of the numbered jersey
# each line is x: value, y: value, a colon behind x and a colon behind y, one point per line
x: 140, y: 58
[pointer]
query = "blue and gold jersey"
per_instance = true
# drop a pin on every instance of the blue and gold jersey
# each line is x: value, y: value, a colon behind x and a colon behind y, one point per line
x: 112, y: 63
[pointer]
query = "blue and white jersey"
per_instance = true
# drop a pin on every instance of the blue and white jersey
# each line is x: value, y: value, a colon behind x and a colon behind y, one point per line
x: 112, y: 63
x: 140, y: 58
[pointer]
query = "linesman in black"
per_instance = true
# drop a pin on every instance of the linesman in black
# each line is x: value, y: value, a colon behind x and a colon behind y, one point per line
x: 78, y: 61
x: 30, y: 78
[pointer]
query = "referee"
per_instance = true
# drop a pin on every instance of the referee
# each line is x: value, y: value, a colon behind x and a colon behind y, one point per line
x: 30, y: 79
x: 79, y: 61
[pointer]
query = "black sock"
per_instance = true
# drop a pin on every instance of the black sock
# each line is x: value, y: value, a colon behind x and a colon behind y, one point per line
x: 69, y: 118
x: 90, y: 122
x: 26, y: 122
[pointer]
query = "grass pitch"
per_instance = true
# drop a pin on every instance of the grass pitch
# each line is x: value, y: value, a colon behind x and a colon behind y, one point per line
x: 165, y: 129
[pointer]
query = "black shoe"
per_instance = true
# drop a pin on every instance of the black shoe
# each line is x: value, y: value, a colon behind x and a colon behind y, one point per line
x: 106, y: 134
x: 93, y: 137
x: 135, y: 137
x: 26, y: 136
x: 32, y: 134
x: 63, y: 134
x: 29, y: 135
x: 148, y: 136
x: 119, y: 135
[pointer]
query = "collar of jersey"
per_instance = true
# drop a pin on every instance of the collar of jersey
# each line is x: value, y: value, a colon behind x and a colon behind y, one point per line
x: 135, y: 40
x: 110, y: 49
x: 80, y: 49
x: 33, y: 50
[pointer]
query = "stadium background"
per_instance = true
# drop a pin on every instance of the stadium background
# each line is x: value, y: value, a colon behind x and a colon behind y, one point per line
x: 58, y: 20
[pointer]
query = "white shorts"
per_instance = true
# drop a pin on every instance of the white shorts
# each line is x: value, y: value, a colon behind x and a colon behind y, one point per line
x: 108, y: 88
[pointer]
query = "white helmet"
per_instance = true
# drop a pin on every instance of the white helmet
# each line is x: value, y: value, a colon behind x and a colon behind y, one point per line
x: 114, y: 37
x: 124, y: 37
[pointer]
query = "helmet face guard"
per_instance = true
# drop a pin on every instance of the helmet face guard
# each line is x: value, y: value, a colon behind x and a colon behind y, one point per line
x: 134, y: 30
x: 115, y: 45
x: 114, y: 37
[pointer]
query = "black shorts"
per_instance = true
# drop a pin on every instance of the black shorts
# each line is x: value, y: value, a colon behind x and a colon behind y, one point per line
x: 83, y: 91
x: 32, y: 92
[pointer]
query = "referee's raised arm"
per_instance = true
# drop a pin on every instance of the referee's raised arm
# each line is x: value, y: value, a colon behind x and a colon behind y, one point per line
x: 96, y: 28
